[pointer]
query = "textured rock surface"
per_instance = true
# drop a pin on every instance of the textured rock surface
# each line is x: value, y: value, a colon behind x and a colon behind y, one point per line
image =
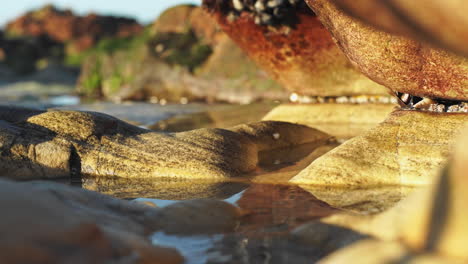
x: 303, y: 59
x: 398, y: 63
x: 343, y: 121
x: 407, y: 149
x: 70, y: 143
x: 441, y: 23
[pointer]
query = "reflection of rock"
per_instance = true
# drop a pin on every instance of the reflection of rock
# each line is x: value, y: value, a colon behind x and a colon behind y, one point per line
x: 67, y: 28
x: 409, y: 148
x: 70, y: 143
x: 303, y: 59
x: 397, y: 63
x: 277, y: 205
x: 343, y: 121
x: 305, y: 244
x: 360, y: 200
x: 75, y: 226
x: 165, y: 189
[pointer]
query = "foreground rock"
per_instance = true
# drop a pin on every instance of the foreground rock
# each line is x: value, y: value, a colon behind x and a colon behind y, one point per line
x: 70, y: 144
x: 91, y: 227
x: 400, y: 64
x: 428, y: 227
x: 298, y: 51
x: 409, y: 148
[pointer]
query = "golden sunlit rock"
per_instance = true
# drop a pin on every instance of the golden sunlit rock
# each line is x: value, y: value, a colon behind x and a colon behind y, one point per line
x: 409, y: 148
x: 72, y: 143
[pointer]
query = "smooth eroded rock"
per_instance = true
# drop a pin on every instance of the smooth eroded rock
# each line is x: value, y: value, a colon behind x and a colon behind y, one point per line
x: 409, y: 148
x: 71, y: 143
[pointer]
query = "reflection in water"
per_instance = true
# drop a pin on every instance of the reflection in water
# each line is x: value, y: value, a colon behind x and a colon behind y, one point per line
x: 263, y: 234
x: 164, y: 189
x: 279, y: 208
x: 279, y: 222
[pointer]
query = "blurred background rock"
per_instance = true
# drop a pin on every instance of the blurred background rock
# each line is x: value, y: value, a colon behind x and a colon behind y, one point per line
x: 182, y: 56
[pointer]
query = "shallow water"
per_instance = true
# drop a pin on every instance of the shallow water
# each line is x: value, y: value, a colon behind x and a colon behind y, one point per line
x: 272, y: 211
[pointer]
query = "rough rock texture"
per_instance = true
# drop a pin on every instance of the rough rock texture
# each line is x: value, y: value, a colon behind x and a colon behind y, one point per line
x: 442, y: 23
x: 183, y: 56
x: 65, y: 27
x: 407, y: 149
x: 398, y: 63
x: 304, y: 58
x: 53, y: 144
x: 343, y: 121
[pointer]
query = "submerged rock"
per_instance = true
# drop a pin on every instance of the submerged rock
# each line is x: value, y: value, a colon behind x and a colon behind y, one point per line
x: 409, y: 148
x: 71, y: 144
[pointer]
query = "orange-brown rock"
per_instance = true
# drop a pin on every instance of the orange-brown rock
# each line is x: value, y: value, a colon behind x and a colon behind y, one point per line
x: 443, y: 23
x: 303, y: 58
x: 64, y: 26
x: 396, y: 62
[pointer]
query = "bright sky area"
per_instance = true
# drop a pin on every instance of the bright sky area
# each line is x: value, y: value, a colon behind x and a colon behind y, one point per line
x: 143, y: 10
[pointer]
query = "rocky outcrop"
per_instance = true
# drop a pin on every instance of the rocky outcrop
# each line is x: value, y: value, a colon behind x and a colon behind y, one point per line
x: 74, y: 144
x: 183, y: 56
x: 398, y: 63
x: 302, y: 57
x: 63, y: 26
